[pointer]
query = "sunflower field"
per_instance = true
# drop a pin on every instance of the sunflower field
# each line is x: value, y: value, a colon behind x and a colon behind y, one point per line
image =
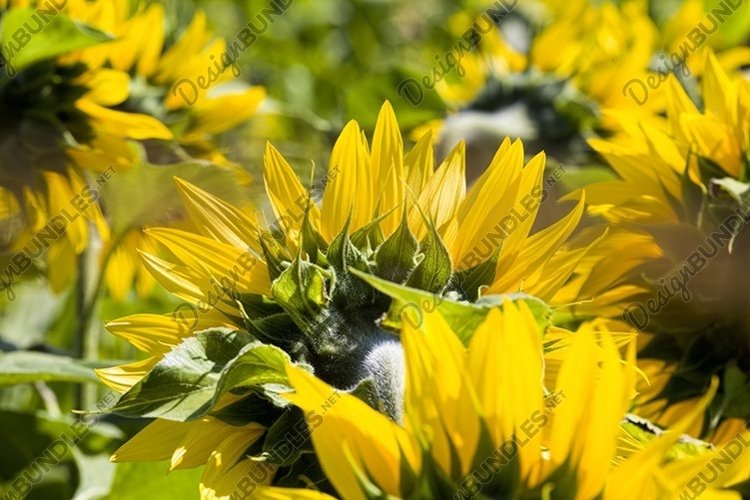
x: 374, y: 249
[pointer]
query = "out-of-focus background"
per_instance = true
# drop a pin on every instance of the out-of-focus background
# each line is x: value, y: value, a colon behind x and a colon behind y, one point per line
x: 322, y: 63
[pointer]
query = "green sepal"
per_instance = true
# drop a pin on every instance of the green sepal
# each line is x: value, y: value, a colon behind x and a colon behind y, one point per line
x: 501, y: 464
x: 395, y: 259
x: 434, y: 271
x: 469, y: 283
x: 365, y: 391
x: 347, y: 291
x: 268, y: 321
x: 272, y: 253
x: 432, y: 482
x: 370, y: 236
x: 304, y: 472
x: 561, y: 484
x: 342, y: 253
x: 302, y: 290
x: 312, y: 241
x: 369, y: 489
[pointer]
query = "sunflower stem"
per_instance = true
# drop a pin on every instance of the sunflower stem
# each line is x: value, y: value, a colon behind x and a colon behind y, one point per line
x: 90, y: 279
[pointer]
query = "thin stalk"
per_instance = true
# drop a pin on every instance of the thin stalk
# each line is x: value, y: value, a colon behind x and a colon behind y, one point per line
x: 91, y: 272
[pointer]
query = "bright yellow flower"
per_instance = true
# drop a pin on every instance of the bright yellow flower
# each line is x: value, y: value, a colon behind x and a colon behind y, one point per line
x: 577, y: 57
x: 652, y: 160
x: 184, y: 83
x: 295, y: 282
x: 63, y: 137
x: 168, y: 82
x: 80, y: 118
x: 682, y: 193
x: 479, y: 419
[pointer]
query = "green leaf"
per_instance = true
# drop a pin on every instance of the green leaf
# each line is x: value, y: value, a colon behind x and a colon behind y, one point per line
x: 395, y: 259
x: 463, y: 317
x: 256, y: 365
x: 736, y: 400
x: 96, y: 474
x: 734, y: 29
x: 59, y: 35
x: 21, y: 367
x: 25, y: 438
x: 188, y: 381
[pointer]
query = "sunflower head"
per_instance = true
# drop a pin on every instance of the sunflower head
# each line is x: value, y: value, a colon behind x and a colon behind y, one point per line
x: 548, y: 70
x: 327, y: 285
x: 85, y: 88
x: 683, y: 189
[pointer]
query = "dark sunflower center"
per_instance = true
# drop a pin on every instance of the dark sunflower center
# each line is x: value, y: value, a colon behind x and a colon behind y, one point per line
x: 38, y: 121
x: 557, y: 111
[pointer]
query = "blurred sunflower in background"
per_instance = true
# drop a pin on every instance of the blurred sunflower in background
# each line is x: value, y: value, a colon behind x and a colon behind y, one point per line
x: 543, y: 71
x: 682, y: 191
x: 556, y: 73
x: 51, y: 108
x: 110, y: 96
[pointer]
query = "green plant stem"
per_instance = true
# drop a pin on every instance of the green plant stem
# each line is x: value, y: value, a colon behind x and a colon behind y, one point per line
x: 90, y: 281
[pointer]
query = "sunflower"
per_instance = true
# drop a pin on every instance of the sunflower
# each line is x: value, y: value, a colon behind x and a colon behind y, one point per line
x: 51, y: 108
x: 683, y: 191
x: 74, y: 116
x: 316, y: 283
x: 544, y: 71
x: 480, y: 420
x: 188, y: 85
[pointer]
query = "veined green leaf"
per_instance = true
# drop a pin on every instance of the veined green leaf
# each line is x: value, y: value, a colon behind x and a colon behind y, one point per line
x: 152, y: 477
x: 59, y: 35
x: 462, y: 317
x: 188, y: 381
